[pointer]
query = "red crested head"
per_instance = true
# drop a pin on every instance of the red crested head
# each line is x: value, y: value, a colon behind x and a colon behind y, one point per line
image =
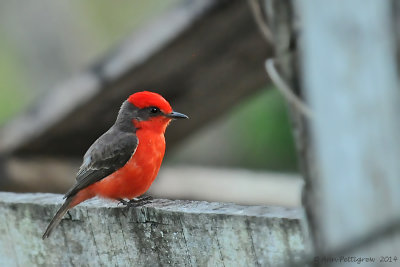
x: 149, y: 99
x: 154, y: 112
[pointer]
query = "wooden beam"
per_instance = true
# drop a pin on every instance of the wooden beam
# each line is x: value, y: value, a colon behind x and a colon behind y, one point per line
x: 203, y: 56
x: 163, y: 233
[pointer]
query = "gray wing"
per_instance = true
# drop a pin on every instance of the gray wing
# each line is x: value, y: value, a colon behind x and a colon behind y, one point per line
x: 107, y: 154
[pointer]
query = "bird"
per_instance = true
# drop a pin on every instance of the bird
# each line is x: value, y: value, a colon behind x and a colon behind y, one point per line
x: 124, y: 161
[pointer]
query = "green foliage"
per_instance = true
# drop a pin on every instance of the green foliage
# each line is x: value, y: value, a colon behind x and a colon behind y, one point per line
x: 12, y: 97
x: 112, y: 21
x: 255, y: 134
x: 264, y: 133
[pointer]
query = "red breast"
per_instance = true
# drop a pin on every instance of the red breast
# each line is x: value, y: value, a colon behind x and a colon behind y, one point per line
x: 135, y: 178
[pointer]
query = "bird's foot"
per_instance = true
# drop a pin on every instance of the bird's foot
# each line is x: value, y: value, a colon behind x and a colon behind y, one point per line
x: 136, y: 202
x: 122, y: 202
x: 140, y: 201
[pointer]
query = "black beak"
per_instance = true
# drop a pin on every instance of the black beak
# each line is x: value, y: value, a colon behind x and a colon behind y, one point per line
x: 176, y: 115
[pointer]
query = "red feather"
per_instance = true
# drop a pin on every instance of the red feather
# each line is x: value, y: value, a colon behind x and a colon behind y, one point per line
x: 150, y: 99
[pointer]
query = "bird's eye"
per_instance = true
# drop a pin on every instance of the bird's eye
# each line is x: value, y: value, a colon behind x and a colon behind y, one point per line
x: 154, y: 110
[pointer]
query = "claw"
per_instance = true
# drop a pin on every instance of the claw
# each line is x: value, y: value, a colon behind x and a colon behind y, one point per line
x: 122, y: 202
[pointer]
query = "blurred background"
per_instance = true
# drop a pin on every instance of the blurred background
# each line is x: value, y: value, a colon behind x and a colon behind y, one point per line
x: 245, y: 154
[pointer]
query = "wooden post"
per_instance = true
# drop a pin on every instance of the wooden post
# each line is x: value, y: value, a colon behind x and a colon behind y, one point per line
x: 163, y: 233
x: 350, y: 75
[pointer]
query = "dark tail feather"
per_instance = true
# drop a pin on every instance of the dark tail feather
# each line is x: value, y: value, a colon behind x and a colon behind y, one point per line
x: 57, y: 218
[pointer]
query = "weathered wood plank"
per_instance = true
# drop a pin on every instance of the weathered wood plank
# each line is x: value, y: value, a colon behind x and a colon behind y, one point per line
x: 163, y: 233
x: 351, y: 79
